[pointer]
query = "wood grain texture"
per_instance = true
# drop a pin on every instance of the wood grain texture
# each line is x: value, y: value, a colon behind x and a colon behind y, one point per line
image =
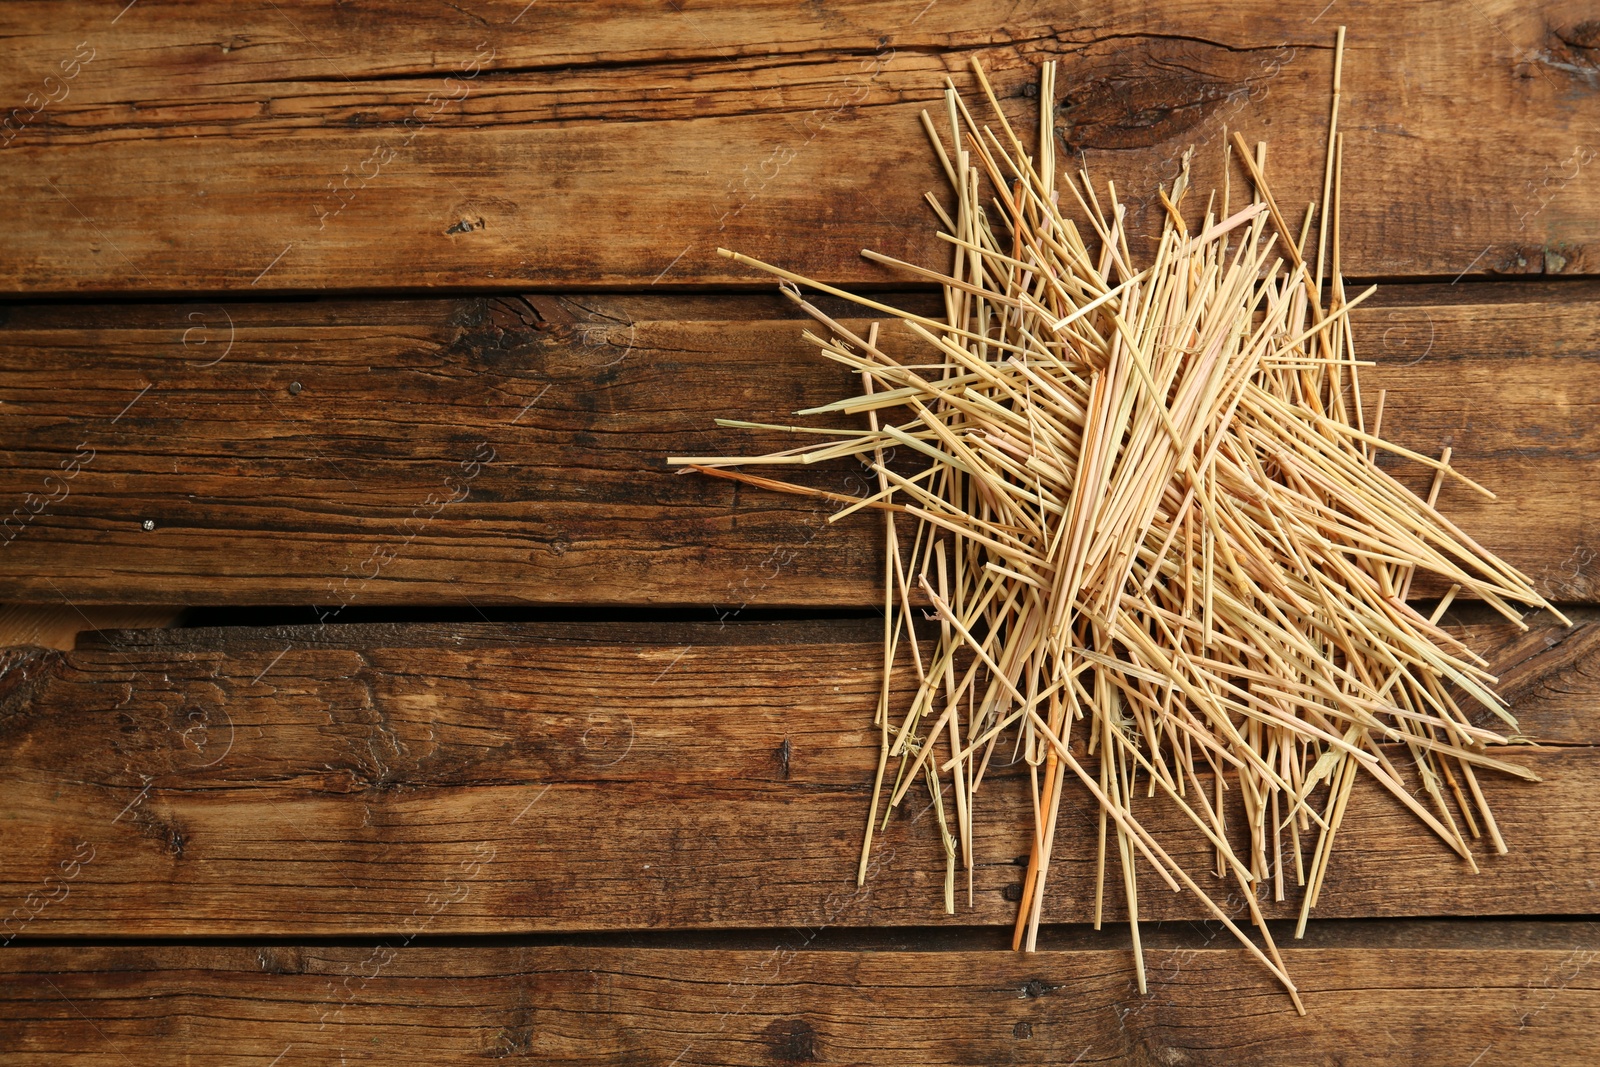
x: 1514, y: 996
x: 512, y: 450
x: 58, y: 625
x: 294, y: 147
x: 350, y: 780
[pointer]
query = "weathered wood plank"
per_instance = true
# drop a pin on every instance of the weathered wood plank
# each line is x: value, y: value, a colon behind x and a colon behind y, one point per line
x: 1491, y: 997
x: 58, y: 625
x: 474, y: 778
x: 299, y: 147
x: 512, y: 451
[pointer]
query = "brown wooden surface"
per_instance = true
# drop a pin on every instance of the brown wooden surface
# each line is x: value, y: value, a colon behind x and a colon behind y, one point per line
x: 443, y: 842
x: 58, y: 625
x: 210, y: 147
x: 317, y: 462
x: 352, y: 780
x: 1420, y: 993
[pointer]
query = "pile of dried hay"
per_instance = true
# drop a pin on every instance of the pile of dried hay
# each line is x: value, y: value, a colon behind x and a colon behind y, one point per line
x: 1157, y: 547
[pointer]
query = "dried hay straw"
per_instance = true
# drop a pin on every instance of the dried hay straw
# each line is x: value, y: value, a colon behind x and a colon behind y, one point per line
x: 1159, y: 552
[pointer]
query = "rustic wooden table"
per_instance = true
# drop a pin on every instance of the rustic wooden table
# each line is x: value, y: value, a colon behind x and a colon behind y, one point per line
x: 351, y: 340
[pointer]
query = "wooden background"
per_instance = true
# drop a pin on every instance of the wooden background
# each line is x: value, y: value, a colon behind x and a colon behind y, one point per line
x: 373, y: 691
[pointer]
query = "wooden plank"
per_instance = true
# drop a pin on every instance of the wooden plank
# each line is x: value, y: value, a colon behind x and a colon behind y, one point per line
x: 512, y: 451
x: 298, y: 147
x: 471, y: 778
x: 58, y: 625
x: 1517, y: 995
